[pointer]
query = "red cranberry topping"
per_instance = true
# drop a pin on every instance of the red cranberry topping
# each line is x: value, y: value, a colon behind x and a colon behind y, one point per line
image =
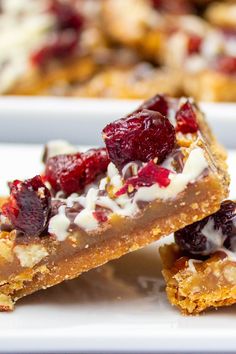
x: 173, y: 6
x: 66, y: 14
x: 194, y: 44
x: 29, y: 206
x: 143, y: 136
x: 63, y: 43
x: 157, y: 4
x: 192, y: 240
x: 186, y: 119
x: 228, y: 32
x: 71, y: 173
x: 62, y: 167
x: 58, y: 48
x: 100, y: 216
x: 95, y: 163
x: 147, y: 176
x: 226, y: 65
x: 157, y: 103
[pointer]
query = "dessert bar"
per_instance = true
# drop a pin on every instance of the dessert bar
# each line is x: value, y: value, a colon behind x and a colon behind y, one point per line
x: 45, y: 44
x: 200, y: 268
x: 206, y: 58
x: 93, y: 48
x: 160, y: 170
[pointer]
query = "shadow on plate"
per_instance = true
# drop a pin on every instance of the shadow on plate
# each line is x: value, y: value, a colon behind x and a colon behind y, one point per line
x: 133, y: 276
x: 136, y: 276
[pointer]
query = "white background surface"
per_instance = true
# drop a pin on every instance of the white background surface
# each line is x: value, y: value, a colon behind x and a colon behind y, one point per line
x: 37, y: 120
x: 128, y: 312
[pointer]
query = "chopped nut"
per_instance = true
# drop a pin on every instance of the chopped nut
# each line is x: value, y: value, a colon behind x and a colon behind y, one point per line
x: 230, y: 274
x: 29, y: 255
x: 6, y: 249
x: 6, y: 304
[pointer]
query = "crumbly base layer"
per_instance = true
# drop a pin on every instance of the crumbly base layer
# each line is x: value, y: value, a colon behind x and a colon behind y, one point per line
x: 193, y: 289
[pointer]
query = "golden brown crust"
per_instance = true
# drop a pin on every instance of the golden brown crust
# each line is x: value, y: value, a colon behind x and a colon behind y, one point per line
x: 195, y: 288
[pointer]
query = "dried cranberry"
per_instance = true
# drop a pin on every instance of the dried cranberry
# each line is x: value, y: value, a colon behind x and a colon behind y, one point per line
x: 95, y: 163
x: 186, y: 119
x: 226, y: 65
x: 157, y: 103
x: 143, y: 136
x: 193, y: 239
x: 147, y: 176
x: 173, y: 6
x: 67, y: 16
x: 228, y: 32
x: 100, y: 216
x: 194, y: 44
x: 157, y: 4
x: 64, y: 42
x: 57, y: 49
x: 29, y: 206
x: 71, y: 173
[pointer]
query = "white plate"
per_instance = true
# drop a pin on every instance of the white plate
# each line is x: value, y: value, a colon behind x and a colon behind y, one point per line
x: 96, y: 313
x: 38, y: 119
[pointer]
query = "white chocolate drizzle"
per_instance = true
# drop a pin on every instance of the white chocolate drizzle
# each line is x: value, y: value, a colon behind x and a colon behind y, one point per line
x: 58, y: 226
x: 191, y: 265
x: 194, y: 166
x: 231, y: 256
x: 86, y: 220
x: 214, y: 243
x: 215, y: 238
x: 124, y: 205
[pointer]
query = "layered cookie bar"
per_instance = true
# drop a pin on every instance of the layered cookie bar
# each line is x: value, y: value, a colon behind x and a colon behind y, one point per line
x: 45, y: 44
x: 206, y: 57
x: 161, y: 170
x: 200, y: 268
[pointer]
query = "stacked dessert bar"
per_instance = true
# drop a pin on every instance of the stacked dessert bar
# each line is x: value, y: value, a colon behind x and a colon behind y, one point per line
x: 200, y: 268
x: 161, y: 169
